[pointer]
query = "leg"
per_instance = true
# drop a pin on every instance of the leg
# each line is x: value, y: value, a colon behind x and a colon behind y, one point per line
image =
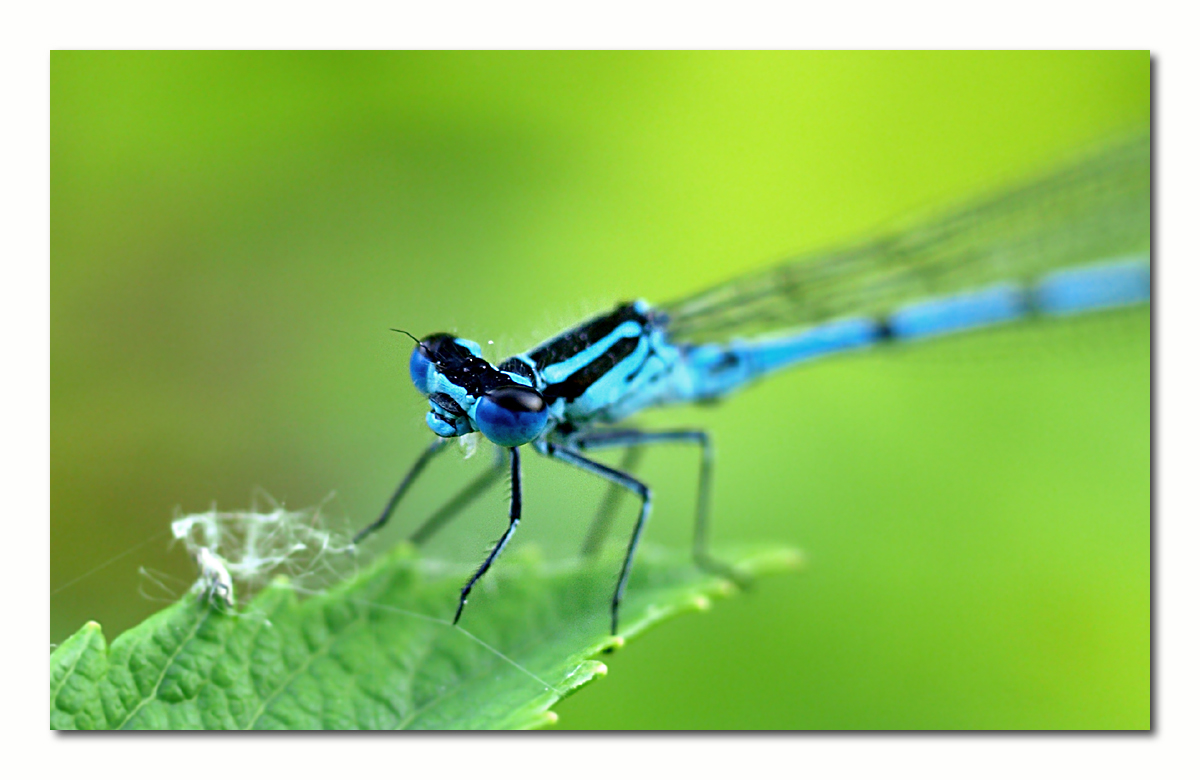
x: 460, y: 502
x: 436, y: 446
x: 601, y: 523
x: 629, y: 483
x: 514, y: 518
x: 627, y: 438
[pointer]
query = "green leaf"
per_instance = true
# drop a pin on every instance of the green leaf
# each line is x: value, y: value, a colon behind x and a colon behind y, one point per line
x: 375, y: 652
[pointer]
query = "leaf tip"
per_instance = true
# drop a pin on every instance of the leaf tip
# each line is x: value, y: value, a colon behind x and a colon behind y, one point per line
x: 792, y: 559
x: 777, y: 559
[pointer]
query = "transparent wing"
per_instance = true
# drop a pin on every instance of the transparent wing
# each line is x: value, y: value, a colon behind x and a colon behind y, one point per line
x: 1094, y: 209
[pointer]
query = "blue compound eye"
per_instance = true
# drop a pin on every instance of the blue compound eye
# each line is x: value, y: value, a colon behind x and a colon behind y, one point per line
x: 419, y: 366
x: 426, y: 355
x: 511, y: 416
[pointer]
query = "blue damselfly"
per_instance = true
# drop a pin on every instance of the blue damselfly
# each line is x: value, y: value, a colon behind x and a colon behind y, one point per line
x: 1071, y: 242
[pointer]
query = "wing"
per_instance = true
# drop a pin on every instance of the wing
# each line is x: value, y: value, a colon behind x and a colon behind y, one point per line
x: 1092, y: 210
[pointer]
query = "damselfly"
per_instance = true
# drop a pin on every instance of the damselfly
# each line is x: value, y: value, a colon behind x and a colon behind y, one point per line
x: 1072, y: 242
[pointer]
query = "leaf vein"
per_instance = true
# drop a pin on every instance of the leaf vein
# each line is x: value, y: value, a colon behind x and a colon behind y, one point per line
x: 335, y: 636
x: 166, y: 667
x: 67, y: 675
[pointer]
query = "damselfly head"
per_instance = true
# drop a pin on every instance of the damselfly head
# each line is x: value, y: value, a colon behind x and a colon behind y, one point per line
x: 466, y: 393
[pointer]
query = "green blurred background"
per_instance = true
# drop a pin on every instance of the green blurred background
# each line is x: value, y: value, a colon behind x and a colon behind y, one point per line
x: 232, y: 235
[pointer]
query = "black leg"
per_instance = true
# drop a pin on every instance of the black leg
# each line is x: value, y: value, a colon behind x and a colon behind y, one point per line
x: 628, y: 438
x: 602, y: 522
x: 436, y: 446
x: 460, y: 502
x: 631, y: 484
x: 514, y: 519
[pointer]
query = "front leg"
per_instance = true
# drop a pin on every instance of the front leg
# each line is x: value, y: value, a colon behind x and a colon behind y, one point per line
x: 436, y: 446
x: 461, y: 501
x: 514, y: 519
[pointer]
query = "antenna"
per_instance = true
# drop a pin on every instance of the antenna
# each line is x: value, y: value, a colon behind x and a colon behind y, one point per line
x: 406, y: 333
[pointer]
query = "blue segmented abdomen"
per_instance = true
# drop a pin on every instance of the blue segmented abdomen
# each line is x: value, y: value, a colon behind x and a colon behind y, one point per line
x: 711, y: 370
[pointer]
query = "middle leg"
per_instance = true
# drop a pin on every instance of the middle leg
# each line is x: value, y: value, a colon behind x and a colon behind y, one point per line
x: 602, y: 522
x: 572, y: 456
x: 632, y: 438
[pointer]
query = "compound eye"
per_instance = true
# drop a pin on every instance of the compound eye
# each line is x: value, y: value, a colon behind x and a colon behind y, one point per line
x: 511, y: 415
x: 424, y: 356
x: 420, y: 367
